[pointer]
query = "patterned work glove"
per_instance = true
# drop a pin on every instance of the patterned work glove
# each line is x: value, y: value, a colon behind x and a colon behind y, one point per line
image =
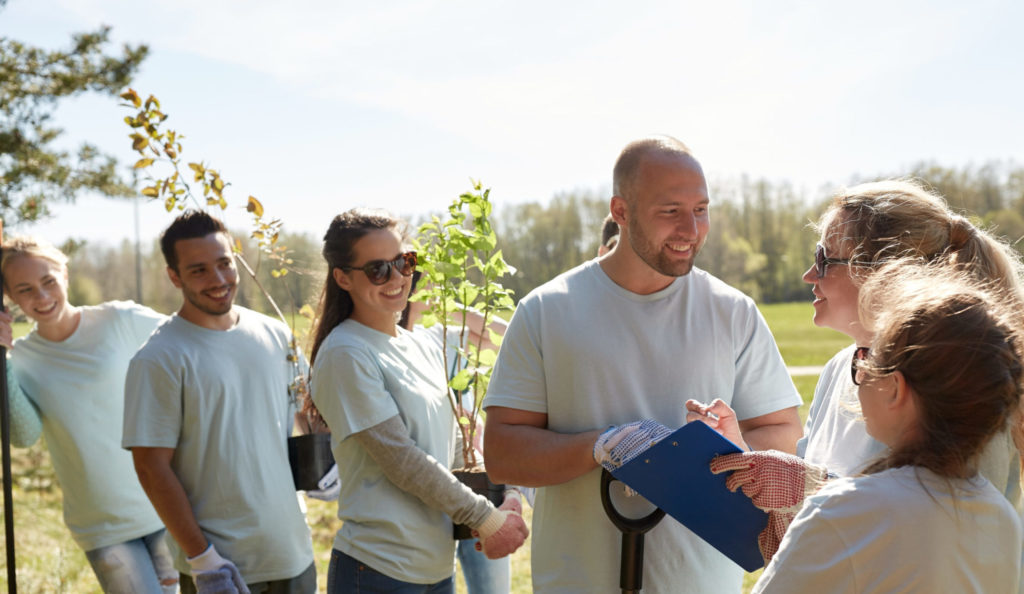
x: 329, y: 486
x: 214, y: 574
x: 619, y: 445
x: 775, y: 482
x: 503, y: 531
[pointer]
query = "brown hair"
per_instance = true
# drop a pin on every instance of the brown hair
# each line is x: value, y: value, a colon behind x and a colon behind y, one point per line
x: 342, y: 234
x: 956, y: 341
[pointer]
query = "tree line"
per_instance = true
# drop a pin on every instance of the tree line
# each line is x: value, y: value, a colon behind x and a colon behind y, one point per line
x: 761, y: 240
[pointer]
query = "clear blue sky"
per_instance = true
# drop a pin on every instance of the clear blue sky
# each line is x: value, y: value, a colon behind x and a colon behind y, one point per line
x: 318, y: 106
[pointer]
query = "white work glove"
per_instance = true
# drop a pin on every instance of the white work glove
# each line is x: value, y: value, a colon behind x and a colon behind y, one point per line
x: 504, y: 530
x: 619, y: 445
x: 329, y: 486
x: 214, y: 574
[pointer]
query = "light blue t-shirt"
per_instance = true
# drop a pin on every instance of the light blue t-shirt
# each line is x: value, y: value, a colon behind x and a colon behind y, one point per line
x: 77, y: 387
x: 362, y: 377
x: 220, y: 400
x: 589, y: 354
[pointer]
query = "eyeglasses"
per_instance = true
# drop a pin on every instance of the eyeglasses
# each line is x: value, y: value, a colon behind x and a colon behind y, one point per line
x: 378, y: 272
x: 861, y: 354
x: 821, y: 261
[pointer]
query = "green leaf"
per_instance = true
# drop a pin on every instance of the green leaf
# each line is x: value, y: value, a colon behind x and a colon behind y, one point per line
x: 143, y: 163
x: 461, y: 380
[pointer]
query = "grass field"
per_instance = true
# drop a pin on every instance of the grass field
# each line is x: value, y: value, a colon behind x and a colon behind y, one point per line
x: 49, y: 561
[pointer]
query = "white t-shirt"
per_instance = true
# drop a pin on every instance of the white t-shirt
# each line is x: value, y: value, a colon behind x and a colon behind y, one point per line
x: 589, y: 353
x: 900, y: 530
x: 362, y: 377
x: 77, y: 385
x: 220, y: 399
x: 835, y: 434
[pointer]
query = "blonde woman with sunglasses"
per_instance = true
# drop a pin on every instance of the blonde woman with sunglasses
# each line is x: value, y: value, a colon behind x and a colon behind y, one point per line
x: 383, y: 392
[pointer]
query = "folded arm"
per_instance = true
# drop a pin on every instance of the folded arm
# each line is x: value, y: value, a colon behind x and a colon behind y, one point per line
x: 521, y: 450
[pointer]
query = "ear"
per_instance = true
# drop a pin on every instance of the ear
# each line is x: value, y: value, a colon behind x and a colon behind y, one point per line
x: 341, y: 278
x: 175, y: 280
x: 903, y: 399
x: 618, y: 208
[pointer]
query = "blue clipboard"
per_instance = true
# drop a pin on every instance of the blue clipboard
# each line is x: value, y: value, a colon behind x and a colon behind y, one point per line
x: 675, y: 475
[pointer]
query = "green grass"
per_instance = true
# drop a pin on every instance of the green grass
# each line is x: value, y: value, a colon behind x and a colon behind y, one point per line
x: 799, y: 340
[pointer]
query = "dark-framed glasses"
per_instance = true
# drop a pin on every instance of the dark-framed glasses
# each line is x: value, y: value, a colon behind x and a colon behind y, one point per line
x: 822, y: 261
x: 379, y: 271
x: 861, y: 354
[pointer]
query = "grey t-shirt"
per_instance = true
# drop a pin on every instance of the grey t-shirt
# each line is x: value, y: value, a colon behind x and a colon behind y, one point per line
x: 220, y: 399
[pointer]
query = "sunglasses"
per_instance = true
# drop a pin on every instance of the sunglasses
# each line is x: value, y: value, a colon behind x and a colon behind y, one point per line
x: 379, y: 271
x: 821, y: 261
x: 861, y: 354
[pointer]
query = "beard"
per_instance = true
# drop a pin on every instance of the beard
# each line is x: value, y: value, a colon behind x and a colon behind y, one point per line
x: 655, y: 256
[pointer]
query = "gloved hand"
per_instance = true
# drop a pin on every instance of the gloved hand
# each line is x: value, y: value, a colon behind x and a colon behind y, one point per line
x: 619, y: 445
x: 214, y: 574
x: 329, y: 486
x: 503, y: 531
x: 775, y: 482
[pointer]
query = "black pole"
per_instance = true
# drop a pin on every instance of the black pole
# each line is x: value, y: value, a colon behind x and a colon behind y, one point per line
x: 5, y: 429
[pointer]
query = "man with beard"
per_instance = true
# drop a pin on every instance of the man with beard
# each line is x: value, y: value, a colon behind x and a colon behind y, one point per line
x: 207, y: 416
x: 630, y: 336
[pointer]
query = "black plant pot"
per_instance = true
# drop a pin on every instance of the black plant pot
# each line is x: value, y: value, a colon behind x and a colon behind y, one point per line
x: 478, y: 481
x: 310, y: 458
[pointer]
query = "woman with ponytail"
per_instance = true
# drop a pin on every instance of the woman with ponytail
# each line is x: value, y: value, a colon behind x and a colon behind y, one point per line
x: 382, y: 391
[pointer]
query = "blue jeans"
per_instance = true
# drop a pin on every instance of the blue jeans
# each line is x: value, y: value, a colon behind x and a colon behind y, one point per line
x: 483, y: 575
x: 346, y: 575
x: 137, y: 565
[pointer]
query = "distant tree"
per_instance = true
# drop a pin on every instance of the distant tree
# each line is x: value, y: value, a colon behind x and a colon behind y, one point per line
x: 33, y: 173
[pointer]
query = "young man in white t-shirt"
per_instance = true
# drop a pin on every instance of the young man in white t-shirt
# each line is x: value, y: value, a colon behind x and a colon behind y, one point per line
x: 630, y: 336
x: 207, y: 416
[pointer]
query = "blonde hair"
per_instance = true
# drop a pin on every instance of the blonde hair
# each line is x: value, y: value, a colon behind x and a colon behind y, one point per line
x: 897, y: 218
x: 29, y: 245
x: 957, y: 341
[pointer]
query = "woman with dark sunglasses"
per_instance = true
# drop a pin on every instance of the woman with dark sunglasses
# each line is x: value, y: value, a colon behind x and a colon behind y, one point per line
x: 941, y: 379
x: 865, y: 227
x: 382, y: 391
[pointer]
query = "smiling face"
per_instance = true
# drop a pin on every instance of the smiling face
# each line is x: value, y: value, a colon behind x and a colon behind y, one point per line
x: 836, y: 293
x: 375, y: 306
x: 39, y: 287
x: 666, y: 215
x: 208, y: 280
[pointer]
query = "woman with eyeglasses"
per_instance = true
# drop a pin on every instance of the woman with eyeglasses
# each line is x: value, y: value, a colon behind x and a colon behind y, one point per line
x: 940, y: 378
x: 382, y: 391
x: 865, y: 227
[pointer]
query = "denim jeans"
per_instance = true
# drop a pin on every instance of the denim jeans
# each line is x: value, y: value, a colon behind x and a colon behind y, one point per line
x: 483, y: 575
x: 346, y: 575
x: 134, y: 566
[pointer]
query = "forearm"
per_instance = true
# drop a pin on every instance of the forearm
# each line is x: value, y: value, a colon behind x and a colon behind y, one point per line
x: 170, y: 501
x: 776, y: 431
x: 531, y: 456
x: 417, y: 473
x: 25, y: 422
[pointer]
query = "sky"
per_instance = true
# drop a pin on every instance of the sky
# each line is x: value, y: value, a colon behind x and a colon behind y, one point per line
x: 315, y: 107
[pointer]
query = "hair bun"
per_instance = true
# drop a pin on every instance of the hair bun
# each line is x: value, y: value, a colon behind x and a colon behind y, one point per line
x: 960, y: 232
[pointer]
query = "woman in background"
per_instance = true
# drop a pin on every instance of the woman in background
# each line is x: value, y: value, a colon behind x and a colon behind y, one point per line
x: 66, y: 381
